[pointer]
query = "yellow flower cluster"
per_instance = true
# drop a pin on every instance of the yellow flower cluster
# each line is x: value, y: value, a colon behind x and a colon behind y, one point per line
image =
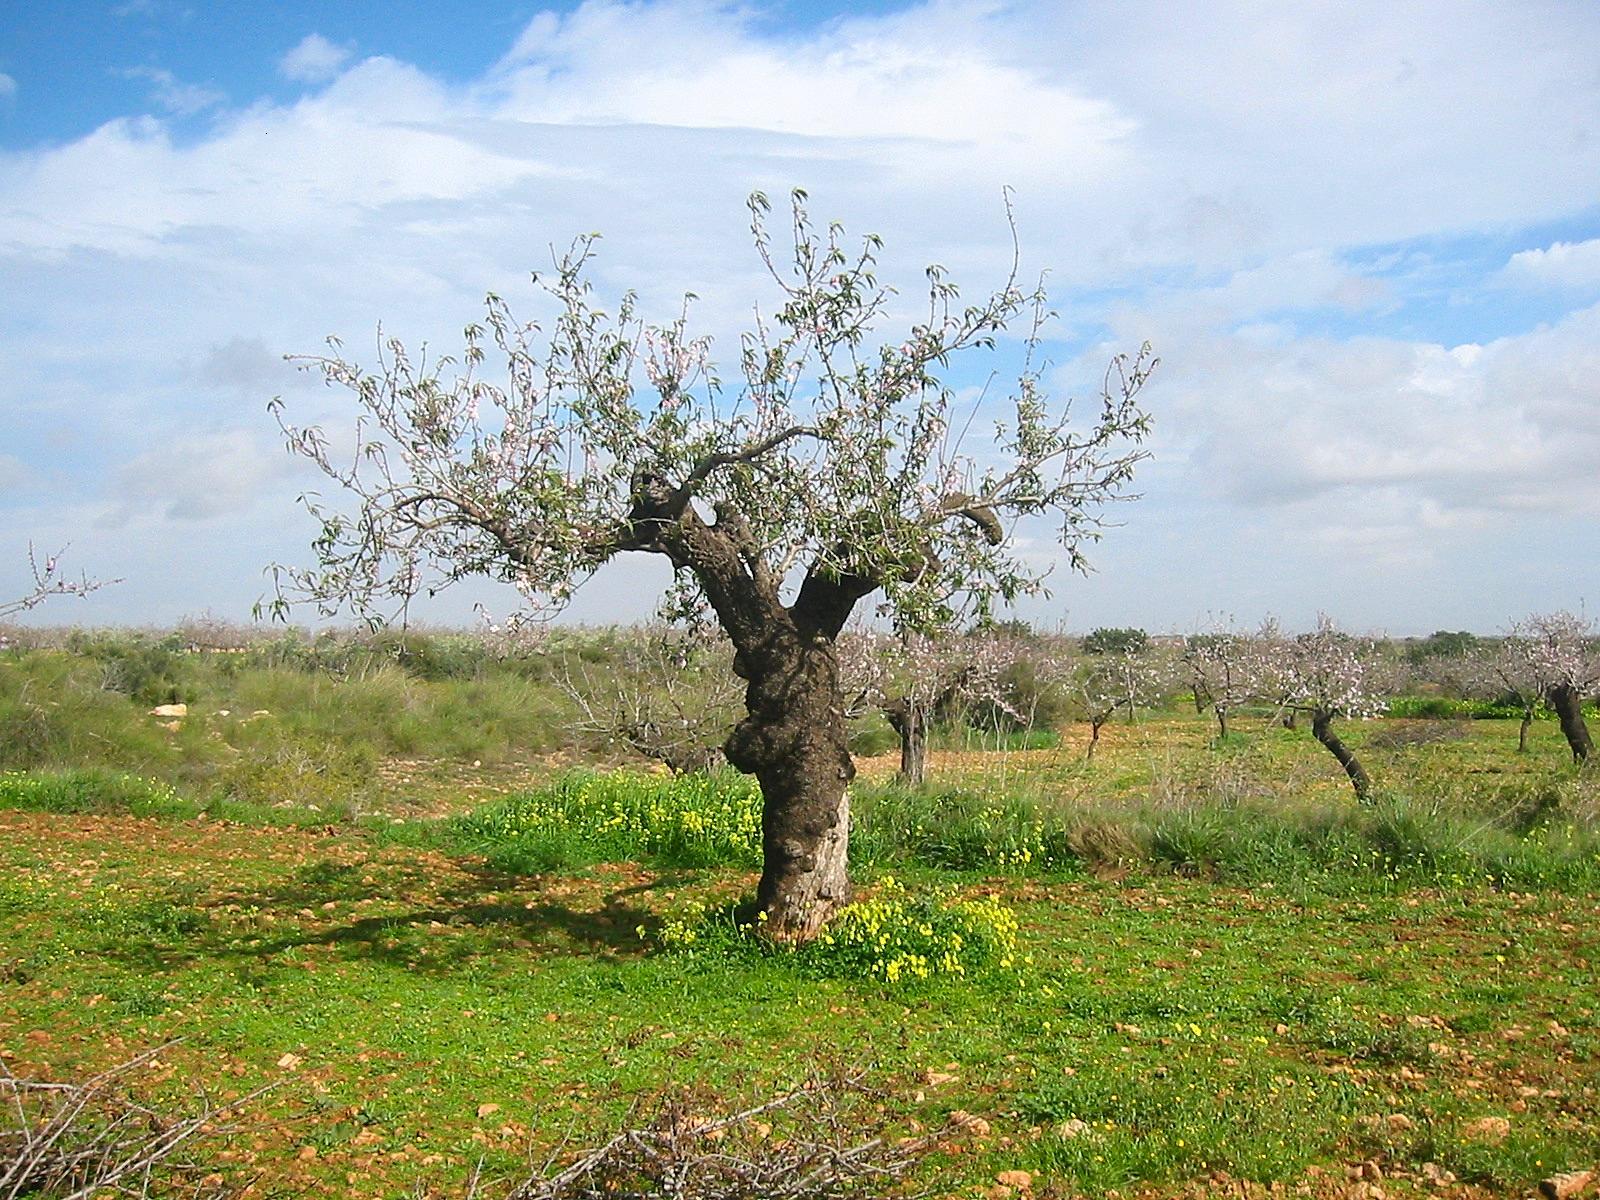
x: 900, y: 938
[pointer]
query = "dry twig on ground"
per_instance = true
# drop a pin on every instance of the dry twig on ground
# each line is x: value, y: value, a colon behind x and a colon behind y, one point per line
x: 70, y: 1141
x: 807, y: 1144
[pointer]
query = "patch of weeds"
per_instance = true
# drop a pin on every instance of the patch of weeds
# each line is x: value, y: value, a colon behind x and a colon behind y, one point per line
x: 894, y: 937
x: 303, y: 773
x: 91, y: 791
x: 958, y: 830
x: 687, y: 820
x: 1334, y: 1027
x: 118, y: 925
x: 1191, y: 842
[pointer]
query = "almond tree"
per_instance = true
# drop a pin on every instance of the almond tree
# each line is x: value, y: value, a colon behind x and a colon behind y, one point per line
x: 1562, y: 651
x: 1507, y: 672
x: 1224, y: 669
x: 914, y: 680
x: 832, y: 469
x: 1116, y: 680
x: 1325, y: 674
x: 666, y: 693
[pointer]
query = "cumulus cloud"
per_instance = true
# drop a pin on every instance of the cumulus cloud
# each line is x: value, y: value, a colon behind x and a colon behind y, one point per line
x: 14, y: 475
x: 247, y: 365
x: 314, y: 60
x: 1562, y: 265
x: 1447, y: 436
x: 198, y: 478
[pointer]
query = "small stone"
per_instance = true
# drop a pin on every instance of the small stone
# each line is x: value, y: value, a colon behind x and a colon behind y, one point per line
x: 1072, y: 1128
x: 969, y: 1123
x: 170, y: 710
x: 1437, y: 1175
x: 1565, y: 1185
x: 1487, y: 1129
x: 289, y: 1062
x: 1399, y: 1122
x: 1020, y: 1180
x: 485, y: 1110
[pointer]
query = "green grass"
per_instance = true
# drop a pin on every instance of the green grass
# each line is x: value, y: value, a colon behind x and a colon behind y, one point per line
x: 1544, y: 836
x: 1190, y: 1026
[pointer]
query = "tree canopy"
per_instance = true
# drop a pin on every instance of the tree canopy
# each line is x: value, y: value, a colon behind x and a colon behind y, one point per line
x: 847, y: 464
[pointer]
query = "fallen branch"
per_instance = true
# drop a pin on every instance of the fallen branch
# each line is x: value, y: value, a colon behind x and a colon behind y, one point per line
x: 811, y: 1149
x: 71, y: 1141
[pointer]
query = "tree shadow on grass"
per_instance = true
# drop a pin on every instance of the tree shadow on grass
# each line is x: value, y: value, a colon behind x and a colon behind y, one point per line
x: 485, y: 914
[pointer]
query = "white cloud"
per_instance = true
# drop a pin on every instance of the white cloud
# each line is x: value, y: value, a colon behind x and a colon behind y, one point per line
x: 314, y: 60
x: 1562, y: 265
x: 247, y: 365
x: 1448, y: 437
x: 8, y: 86
x: 883, y: 81
x: 14, y: 475
x: 175, y: 96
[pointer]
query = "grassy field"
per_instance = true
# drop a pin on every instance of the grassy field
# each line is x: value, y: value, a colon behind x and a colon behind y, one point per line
x: 1223, y: 976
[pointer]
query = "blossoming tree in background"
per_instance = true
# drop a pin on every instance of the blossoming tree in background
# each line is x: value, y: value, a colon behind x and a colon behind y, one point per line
x: 830, y: 470
x: 915, y: 680
x: 1506, y: 672
x: 1224, y: 670
x: 666, y: 693
x: 1560, y: 653
x: 1118, y: 680
x: 1326, y: 674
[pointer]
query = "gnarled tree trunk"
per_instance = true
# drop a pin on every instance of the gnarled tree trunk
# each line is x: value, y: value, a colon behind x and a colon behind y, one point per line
x: 1222, y: 721
x: 910, y: 721
x: 795, y: 742
x: 1322, y: 730
x: 1522, y: 730
x: 1569, y: 711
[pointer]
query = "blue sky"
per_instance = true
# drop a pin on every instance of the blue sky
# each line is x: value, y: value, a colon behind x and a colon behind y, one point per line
x: 1364, y: 239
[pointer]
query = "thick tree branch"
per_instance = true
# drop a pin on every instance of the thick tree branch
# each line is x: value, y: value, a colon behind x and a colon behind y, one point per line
x: 706, y: 467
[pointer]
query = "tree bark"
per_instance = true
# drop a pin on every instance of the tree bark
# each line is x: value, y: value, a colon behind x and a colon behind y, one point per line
x: 1569, y: 711
x: 1222, y: 722
x: 1322, y: 730
x: 910, y: 721
x: 1522, y: 731
x: 795, y: 742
